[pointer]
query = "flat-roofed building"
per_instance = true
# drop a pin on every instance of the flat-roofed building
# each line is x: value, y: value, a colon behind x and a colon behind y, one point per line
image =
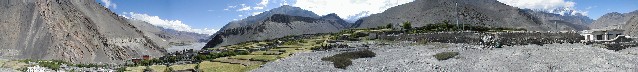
x: 602, y: 34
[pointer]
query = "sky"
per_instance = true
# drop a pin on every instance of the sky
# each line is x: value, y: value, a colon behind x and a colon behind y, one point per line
x: 207, y: 16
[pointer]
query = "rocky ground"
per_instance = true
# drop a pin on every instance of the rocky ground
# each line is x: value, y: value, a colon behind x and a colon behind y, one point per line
x: 409, y: 56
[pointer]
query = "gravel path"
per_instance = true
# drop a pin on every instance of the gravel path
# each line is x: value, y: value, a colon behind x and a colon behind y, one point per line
x: 418, y: 58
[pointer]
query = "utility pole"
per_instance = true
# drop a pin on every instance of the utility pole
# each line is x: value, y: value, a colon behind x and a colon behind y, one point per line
x: 457, y: 14
x: 556, y: 26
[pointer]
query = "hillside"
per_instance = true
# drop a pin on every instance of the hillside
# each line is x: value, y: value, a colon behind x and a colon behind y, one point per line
x: 613, y: 20
x: 285, y: 9
x: 631, y: 27
x: 78, y: 31
x: 277, y: 26
x: 489, y: 13
x: 166, y: 38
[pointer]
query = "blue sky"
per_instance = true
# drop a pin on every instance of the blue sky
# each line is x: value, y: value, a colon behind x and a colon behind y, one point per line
x: 598, y: 8
x: 206, y: 16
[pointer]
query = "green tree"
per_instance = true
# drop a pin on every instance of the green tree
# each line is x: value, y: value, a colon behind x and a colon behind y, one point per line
x: 389, y: 26
x: 407, y: 25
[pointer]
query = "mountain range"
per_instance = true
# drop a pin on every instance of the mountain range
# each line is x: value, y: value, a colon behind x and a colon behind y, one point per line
x: 613, y: 20
x: 79, y: 31
x: 288, y: 20
x: 490, y: 13
x: 83, y: 31
x: 276, y: 23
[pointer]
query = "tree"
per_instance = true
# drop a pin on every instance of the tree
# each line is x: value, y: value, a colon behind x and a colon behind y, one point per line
x: 389, y: 26
x: 407, y: 25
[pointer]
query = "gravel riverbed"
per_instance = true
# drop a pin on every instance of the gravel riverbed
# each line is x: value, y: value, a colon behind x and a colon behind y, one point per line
x: 412, y: 57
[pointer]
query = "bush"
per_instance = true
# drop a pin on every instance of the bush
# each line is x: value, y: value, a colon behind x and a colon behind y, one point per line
x: 342, y: 60
x: 422, y: 41
x: 445, y: 55
x: 407, y: 25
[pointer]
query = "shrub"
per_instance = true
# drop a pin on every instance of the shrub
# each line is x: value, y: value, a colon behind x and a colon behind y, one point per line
x: 407, y: 25
x: 422, y: 41
x: 342, y: 60
x: 445, y: 55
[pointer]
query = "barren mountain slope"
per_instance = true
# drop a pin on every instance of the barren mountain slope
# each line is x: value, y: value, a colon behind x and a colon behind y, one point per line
x: 476, y: 12
x: 613, y: 20
x: 285, y: 9
x: 79, y: 31
x: 165, y: 38
x: 277, y: 26
x: 631, y: 27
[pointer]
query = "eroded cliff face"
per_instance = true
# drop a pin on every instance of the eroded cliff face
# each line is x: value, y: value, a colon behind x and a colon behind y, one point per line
x: 489, y: 13
x: 631, y: 27
x: 279, y: 22
x: 79, y: 31
x: 613, y: 20
x: 277, y: 26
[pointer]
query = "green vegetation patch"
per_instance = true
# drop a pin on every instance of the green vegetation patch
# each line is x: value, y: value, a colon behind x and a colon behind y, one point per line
x: 183, y: 67
x: 343, y: 60
x: 224, y: 67
x: 445, y: 55
x: 158, y: 68
x: 446, y: 26
x: 265, y: 58
x: 135, y: 69
x: 237, y: 61
x: 266, y: 53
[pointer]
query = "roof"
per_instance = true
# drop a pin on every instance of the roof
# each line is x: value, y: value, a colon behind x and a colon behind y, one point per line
x: 599, y: 30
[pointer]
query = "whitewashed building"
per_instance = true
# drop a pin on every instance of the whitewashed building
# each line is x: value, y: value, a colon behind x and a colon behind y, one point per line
x: 602, y: 34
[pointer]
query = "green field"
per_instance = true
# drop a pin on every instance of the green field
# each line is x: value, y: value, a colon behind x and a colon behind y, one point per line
x: 158, y: 68
x: 135, y: 69
x: 243, y: 63
x: 208, y: 66
x: 183, y: 67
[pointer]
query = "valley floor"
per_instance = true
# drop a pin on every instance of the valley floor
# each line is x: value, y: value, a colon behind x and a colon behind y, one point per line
x: 409, y: 56
x: 194, y: 46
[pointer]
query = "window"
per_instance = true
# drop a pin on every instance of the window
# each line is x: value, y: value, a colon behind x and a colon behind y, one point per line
x: 599, y: 37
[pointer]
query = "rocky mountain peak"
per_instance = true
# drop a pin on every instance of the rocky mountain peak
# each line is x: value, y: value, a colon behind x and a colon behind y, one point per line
x: 331, y: 16
x: 285, y: 9
x: 613, y: 20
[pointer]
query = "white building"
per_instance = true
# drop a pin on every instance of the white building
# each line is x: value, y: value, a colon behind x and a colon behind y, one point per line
x: 601, y: 34
x: 38, y: 68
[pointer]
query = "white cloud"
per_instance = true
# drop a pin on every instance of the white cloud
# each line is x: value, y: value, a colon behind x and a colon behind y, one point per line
x: 170, y: 24
x: 348, y: 9
x: 241, y: 15
x: 283, y: 2
x: 232, y: 6
x: 256, y: 13
x: 258, y: 8
x: 261, y: 5
x: 263, y: 2
x: 244, y: 7
x: 555, y: 6
x: 109, y: 4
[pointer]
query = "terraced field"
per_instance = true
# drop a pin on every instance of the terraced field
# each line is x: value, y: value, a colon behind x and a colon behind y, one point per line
x: 241, y: 63
x: 183, y: 67
x: 208, y: 66
x: 158, y: 68
x: 135, y: 69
